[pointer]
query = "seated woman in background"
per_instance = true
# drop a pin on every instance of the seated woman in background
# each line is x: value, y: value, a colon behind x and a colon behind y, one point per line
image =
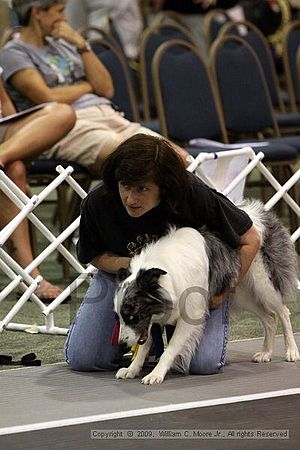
x: 22, y: 140
x: 50, y: 61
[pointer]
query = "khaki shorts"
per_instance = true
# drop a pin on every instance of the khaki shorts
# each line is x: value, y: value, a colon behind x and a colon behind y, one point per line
x: 3, y: 130
x: 97, y: 128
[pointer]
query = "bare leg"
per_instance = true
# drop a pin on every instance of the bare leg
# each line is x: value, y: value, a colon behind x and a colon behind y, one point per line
x: 20, y: 238
x: 28, y: 137
x: 21, y: 245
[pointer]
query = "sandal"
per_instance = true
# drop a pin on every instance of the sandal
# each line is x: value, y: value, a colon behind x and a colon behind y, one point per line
x: 27, y: 360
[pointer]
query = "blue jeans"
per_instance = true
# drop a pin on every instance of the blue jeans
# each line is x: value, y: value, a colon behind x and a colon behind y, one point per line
x: 88, y: 346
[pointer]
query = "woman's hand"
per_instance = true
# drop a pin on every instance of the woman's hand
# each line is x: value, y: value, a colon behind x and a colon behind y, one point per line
x: 110, y: 262
x: 249, y: 246
x: 96, y: 73
x: 62, y: 30
x: 218, y: 300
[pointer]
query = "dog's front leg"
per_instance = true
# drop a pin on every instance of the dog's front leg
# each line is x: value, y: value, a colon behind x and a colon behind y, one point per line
x: 184, y: 335
x: 135, y: 367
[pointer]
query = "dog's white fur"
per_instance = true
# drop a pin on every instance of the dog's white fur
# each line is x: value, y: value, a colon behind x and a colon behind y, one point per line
x: 182, y: 254
x: 173, y: 254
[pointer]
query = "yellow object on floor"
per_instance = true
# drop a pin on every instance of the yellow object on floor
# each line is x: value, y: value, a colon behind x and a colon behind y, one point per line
x: 134, y: 350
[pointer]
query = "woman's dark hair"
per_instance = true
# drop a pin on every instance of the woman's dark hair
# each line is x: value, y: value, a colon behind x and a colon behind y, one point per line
x: 143, y: 158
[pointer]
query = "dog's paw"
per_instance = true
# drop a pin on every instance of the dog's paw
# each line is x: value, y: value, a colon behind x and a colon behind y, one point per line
x: 127, y: 373
x: 154, y: 377
x: 261, y: 357
x: 292, y: 354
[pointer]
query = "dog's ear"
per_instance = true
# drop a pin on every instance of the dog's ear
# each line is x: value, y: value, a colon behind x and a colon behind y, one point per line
x: 155, y: 273
x: 150, y: 276
x: 122, y: 274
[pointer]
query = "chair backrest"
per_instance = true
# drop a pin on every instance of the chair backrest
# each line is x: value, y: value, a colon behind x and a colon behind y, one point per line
x: 151, y: 39
x: 117, y: 66
x: 291, y: 42
x: 298, y: 62
x: 252, y: 34
x: 111, y: 29
x: 213, y: 22
x: 184, y: 93
x: 93, y: 32
x: 169, y: 17
x: 241, y: 87
x: 7, y: 34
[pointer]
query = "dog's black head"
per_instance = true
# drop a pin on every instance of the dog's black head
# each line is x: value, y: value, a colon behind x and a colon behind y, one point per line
x: 139, y: 299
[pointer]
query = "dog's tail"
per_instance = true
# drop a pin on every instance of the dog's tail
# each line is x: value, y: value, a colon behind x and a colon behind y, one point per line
x: 278, y: 251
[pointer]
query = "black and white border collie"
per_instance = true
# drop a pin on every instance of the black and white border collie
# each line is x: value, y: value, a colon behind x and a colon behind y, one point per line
x: 171, y: 281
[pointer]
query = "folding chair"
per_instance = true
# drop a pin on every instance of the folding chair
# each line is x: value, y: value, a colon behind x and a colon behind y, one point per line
x: 243, y: 92
x: 291, y: 42
x: 287, y: 121
x: 116, y: 63
x: 213, y: 22
x: 169, y: 17
x: 111, y: 30
x: 151, y: 39
x: 185, y: 102
x: 8, y: 34
x: 188, y: 107
x: 94, y: 32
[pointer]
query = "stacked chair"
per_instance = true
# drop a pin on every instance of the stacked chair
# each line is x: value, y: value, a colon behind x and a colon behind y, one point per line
x: 243, y: 92
x: 151, y: 39
x: 195, y: 104
x: 116, y: 63
x: 214, y: 21
x: 291, y: 42
x: 189, y: 105
x: 288, y: 121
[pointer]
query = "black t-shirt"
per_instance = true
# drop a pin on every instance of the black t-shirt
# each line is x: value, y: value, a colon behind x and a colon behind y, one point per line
x: 105, y: 224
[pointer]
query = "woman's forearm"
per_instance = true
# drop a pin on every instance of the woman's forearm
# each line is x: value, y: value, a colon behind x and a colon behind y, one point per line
x: 110, y: 262
x: 96, y: 73
x: 31, y: 85
x: 69, y: 94
x: 250, y: 243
